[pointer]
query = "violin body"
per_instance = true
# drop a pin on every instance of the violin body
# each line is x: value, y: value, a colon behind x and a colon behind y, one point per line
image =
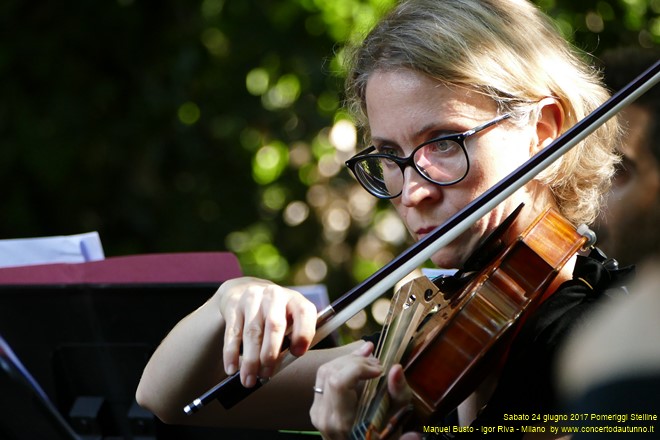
x: 467, y: 338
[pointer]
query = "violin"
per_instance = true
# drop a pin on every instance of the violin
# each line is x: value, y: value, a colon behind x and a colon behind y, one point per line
x: 230, y: 391
x: 448, y: 333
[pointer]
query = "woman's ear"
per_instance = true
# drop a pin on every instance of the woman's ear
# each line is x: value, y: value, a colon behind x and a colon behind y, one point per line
x: 549, y: 123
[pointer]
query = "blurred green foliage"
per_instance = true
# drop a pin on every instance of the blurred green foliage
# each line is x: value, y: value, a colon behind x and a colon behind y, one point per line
x: 208, y: 125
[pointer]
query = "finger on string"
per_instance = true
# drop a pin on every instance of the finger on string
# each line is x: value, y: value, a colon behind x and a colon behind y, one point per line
x: 397, y: 386
x: 348, y: 373
x: 365, y: 350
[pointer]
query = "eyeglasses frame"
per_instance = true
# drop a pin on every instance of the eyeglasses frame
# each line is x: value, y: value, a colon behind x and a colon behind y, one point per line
x: 404, y: 162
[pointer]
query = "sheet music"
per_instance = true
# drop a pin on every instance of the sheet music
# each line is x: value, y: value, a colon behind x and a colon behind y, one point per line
x: 79, y: 248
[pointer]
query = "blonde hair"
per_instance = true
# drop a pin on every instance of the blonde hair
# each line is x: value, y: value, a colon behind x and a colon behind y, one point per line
x: 511, y: 52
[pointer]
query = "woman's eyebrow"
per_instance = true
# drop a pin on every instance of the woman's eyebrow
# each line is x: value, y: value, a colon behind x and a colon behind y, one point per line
x: 428, y: 131
x: 428, y: 128
x: 436, y: 130
x: 380, y: 140
x: 439, y: 128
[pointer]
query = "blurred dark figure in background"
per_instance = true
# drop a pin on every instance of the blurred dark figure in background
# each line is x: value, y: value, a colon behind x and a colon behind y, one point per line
x: 611, y: 364
x: 628, y: 227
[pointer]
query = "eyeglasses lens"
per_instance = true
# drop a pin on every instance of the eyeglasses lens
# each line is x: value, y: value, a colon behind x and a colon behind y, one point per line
x: 442, y: 162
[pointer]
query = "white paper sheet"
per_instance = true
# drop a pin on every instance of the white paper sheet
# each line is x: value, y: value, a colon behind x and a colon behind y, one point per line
x: 79, y: 248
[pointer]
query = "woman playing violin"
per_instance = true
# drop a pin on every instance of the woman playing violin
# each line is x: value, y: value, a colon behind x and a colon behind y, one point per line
x: 453, y: 96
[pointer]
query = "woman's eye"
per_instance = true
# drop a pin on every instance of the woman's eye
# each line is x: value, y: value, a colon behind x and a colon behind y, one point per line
x: 390, y: 151
x: 443, y: 146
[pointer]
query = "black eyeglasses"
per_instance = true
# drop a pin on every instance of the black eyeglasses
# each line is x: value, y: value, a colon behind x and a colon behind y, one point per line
x: 443, y: 161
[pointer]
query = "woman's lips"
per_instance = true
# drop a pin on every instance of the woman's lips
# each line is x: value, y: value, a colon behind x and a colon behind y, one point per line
x: 421, y: 232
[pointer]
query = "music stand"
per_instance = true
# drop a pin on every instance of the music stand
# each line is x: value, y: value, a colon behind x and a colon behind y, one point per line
x: 88, y: 329
x: 28, y: 412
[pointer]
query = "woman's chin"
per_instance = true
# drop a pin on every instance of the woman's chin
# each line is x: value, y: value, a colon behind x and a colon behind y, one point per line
x: 446, y: 259
x: 458, y: 251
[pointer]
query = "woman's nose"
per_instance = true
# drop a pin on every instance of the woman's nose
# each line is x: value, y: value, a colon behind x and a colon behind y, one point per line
x: 416, y: 188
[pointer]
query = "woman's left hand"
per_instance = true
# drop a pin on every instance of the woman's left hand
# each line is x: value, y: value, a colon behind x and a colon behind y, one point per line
x: 338, y: 385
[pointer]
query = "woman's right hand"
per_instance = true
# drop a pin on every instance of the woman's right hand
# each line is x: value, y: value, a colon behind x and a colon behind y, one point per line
x: 257, y: 314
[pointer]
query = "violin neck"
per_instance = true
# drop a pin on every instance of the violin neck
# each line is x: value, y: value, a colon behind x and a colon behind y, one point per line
x: 366, y: 428
x: 408, y: 308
